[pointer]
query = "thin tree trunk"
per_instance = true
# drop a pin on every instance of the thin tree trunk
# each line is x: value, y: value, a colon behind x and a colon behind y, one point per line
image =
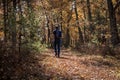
x: 67, y: 41
x: 61, y: 19
x: 21, y: 25
x: 5, y: 19
x: 89, y: 16
x: 85, y: 38
x: 77, y: 20
x: 14, y: 26
x: 47, y: 23
x: 113, y: 26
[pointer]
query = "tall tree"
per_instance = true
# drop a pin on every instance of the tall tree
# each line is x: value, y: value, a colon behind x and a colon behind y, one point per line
x: 67, y: 43
x: 117, y: 4
x: 89, y: 16
x: 113, y: 26
x: 47, y: 22
x: 21, y: 23
x: 14, y: 25
x: 61, y: 14
x: 5, y: 18
x: 77, y: 22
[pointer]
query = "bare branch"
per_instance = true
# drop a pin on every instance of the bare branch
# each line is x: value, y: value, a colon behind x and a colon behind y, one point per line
x: 117, y: 5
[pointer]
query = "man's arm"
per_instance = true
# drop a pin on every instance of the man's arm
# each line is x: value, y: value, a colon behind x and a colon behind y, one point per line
x: 54, y: 32
x: 60, y: 34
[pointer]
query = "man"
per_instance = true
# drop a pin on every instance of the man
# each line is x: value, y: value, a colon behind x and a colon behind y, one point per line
x: 57, y: 41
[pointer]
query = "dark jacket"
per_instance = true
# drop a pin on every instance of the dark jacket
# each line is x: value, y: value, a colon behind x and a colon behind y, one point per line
x: 57, y: 35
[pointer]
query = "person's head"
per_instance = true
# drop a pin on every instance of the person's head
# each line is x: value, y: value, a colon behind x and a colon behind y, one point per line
x: 57, y: 28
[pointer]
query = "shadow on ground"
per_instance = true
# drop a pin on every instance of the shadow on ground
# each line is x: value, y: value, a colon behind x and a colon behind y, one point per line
x: 27, y: 66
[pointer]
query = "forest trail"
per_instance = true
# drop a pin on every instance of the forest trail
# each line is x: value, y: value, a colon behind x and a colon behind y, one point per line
x: 71, y: 66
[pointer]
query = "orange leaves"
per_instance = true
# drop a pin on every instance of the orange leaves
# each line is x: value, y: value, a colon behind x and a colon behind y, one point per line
x: 70, y: 66
x: 1, y: 35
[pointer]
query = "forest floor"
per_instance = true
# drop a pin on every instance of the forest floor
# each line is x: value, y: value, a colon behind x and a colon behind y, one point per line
x: 70, y: 66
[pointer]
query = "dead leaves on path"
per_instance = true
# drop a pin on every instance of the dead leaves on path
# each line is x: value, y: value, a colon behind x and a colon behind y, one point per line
x: 45, y: 66
x: 78, y: 68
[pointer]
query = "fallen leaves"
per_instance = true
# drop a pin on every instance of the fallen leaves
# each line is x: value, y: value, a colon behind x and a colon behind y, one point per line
x: 89, y: 67
x: 69, y: 66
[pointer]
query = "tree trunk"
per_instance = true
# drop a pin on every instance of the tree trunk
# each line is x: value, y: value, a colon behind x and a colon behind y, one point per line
x: 21, y: 25
x: 61, y: 20
x: 113, y: 26
x: 89, y: 16
x: 77, y: 20
x: 5, y: 18
x: 85, y: 37
x: 61, y: 14
x: 14, y: 26
x: 67, y: 41
x: 47, y: 24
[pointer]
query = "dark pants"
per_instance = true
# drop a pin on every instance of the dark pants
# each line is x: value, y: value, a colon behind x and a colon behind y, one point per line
x: 57, y: 47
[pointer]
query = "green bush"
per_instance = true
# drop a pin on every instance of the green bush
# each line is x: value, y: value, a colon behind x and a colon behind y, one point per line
x: 33, y: 47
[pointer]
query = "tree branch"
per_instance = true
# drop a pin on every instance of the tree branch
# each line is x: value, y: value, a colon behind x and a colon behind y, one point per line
x: 117, y: 5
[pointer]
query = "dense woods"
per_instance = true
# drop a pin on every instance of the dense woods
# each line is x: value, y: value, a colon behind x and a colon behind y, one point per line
x: 26, y: 26
x: 81, y: 21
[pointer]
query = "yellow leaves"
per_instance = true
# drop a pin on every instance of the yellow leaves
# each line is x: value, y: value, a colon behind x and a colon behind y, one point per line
x: 118, y: 74
x: 54, y: 3
x: 1, y: 34
x: 71, y: 67
x: 114, y: 1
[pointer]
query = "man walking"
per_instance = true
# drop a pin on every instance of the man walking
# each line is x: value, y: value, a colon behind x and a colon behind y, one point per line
x: 57, y: 41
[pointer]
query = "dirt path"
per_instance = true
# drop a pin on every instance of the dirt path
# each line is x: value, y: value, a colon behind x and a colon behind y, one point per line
x: 70, y: 66
x: 73, y: 67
